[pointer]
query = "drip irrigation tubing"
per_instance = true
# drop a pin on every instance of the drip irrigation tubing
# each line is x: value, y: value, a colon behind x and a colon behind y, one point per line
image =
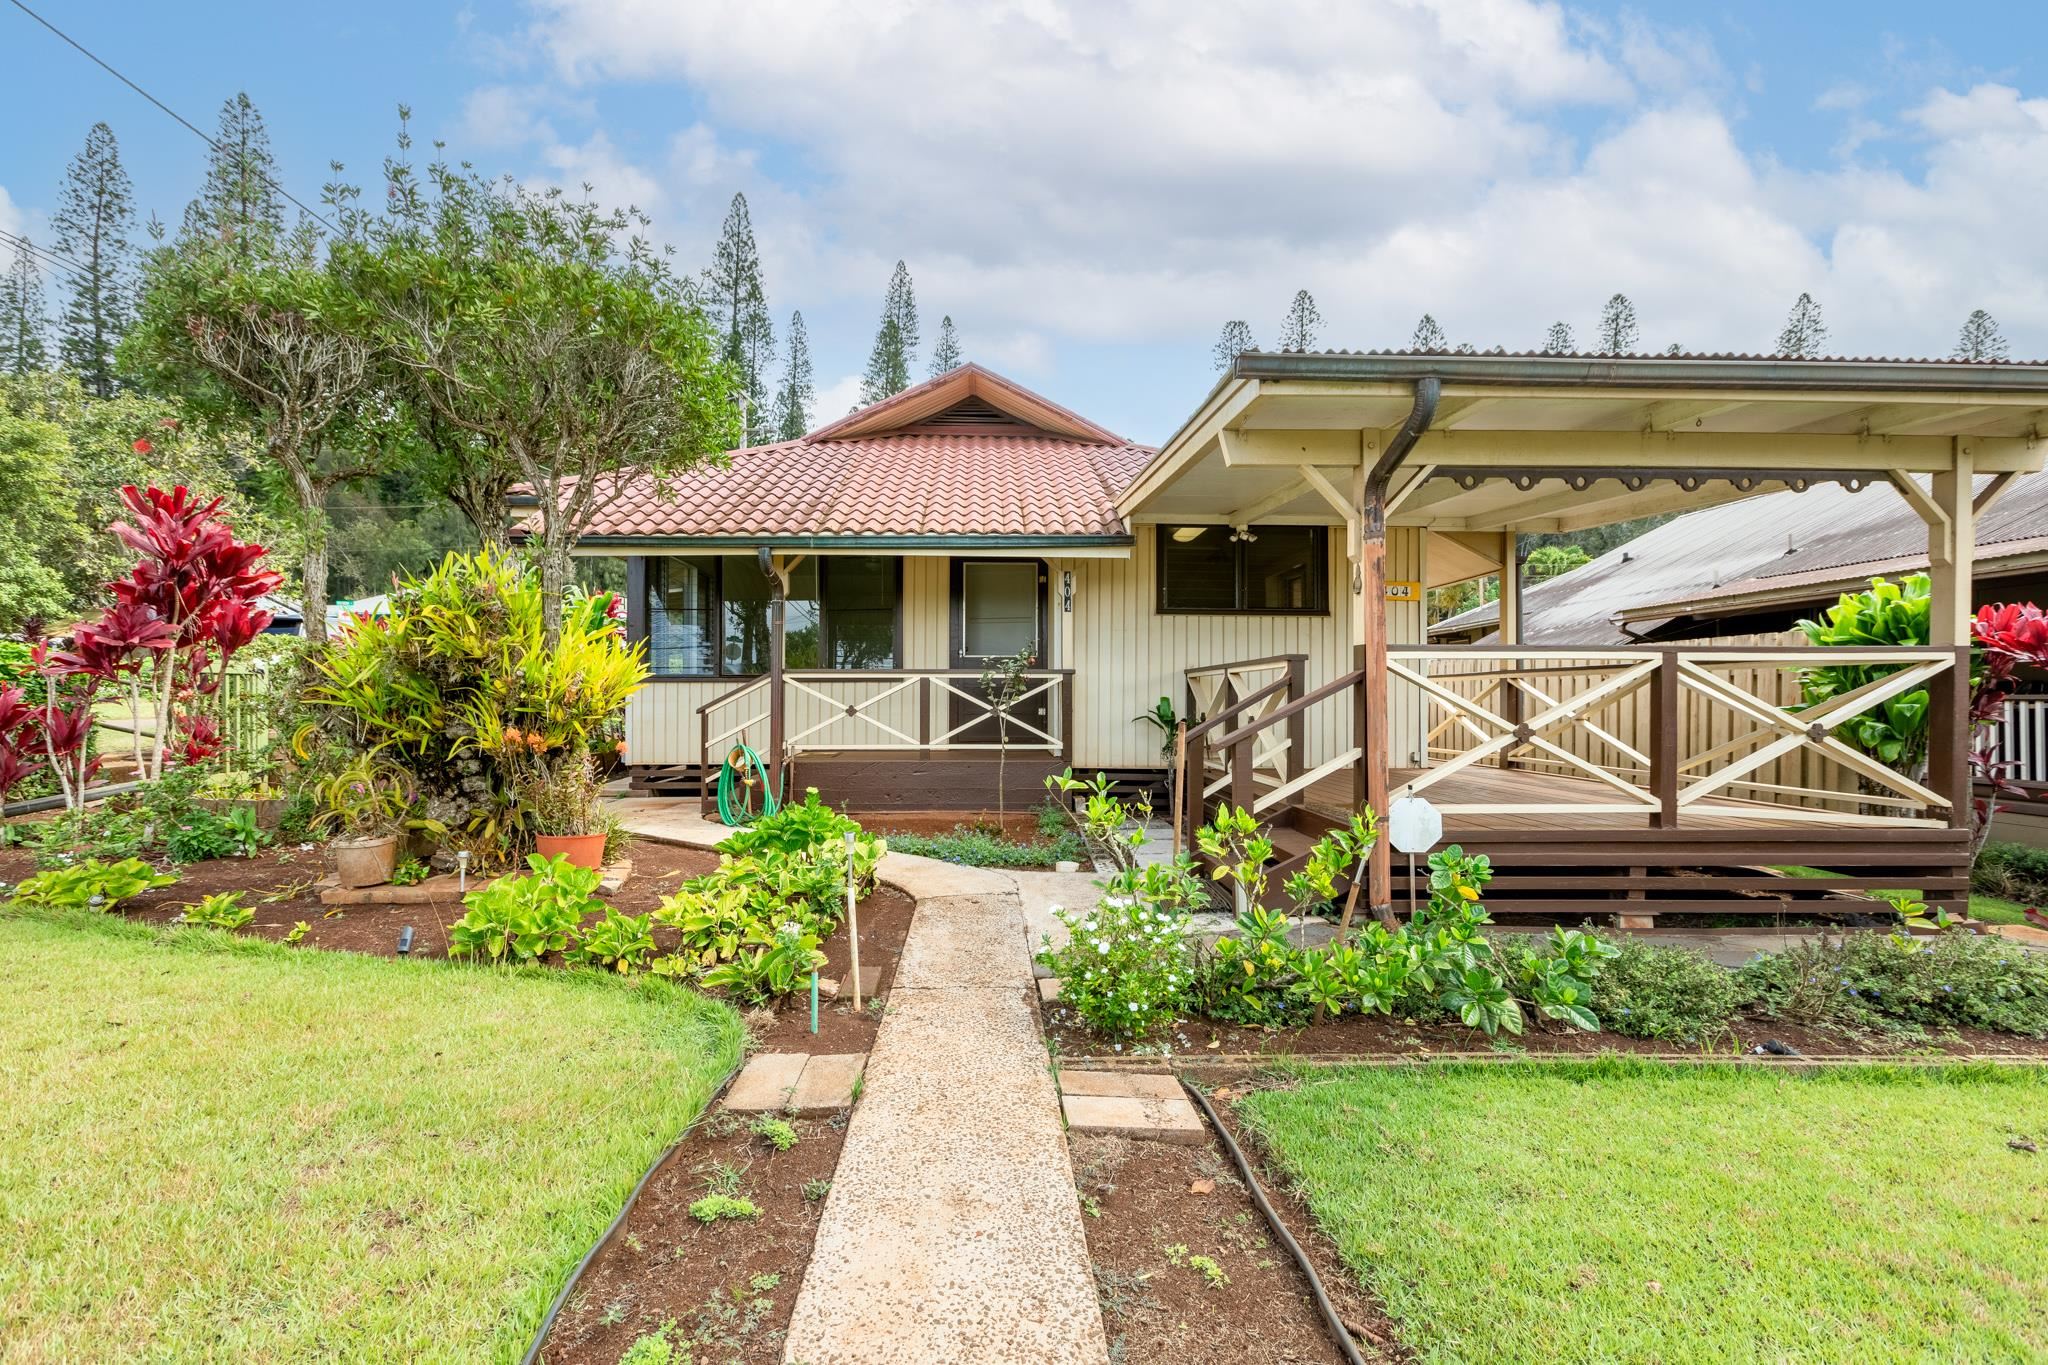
x: 1331, y: 1318
x: 604, y: 1240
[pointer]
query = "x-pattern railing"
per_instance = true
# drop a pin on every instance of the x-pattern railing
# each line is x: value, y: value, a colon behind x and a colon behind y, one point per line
x: 1497, y: 735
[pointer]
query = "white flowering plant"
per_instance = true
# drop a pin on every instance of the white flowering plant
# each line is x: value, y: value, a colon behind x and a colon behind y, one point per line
x: 1128, y: 965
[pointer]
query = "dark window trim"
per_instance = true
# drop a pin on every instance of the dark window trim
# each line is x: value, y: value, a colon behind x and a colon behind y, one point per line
x: 1162, y: 536
x: 639, y: 580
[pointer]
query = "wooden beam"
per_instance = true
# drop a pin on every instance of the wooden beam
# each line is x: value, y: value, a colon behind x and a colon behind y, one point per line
x: 1918, y: 498
x: 1316, y: 479
x: 1675, y: 415
x: 1406, y: 483
x: 1272, y: 502
x: 1991, y: 492
x: 1452, y: 412
x: 1682, y: 450
x: 1290, y: 448
x: 1952, y: 551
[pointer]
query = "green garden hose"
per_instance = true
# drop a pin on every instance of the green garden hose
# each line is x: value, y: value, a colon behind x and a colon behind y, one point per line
x: 743, y: 771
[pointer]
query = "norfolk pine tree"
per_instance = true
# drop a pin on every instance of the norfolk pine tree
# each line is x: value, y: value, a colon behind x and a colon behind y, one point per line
x: 1428, y: 336
x: 1980, y: 339
x: 946, y: 353
x: 1805, y: 335
x: 1234, y: 342
x: 238, y: 205
x: 1558, y: 340
x: 1619, y: 332
x: 94, y: 217
x: 737, y: 306
x: 22, y: 319
x: 794, y: 398
x: 1298, y: 330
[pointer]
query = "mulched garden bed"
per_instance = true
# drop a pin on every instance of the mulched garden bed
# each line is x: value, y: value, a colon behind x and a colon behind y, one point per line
x: 1377, y: 1037
x: 1150, y: 1207
x: 728, y: 1287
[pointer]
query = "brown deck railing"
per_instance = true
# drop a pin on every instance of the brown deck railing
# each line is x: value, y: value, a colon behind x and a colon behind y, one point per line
x: 909, y: 711
x: 1664, y: 733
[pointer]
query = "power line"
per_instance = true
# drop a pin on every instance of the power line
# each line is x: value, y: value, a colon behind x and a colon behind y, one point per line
x: 193, y: 128
x: 44, y: 257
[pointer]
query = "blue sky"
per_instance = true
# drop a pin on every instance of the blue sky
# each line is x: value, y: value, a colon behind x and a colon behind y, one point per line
x: 1092, y: 189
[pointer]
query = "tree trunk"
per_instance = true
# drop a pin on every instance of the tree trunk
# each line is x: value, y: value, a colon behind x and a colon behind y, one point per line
x: 313, y: 527
x: 554, y: 581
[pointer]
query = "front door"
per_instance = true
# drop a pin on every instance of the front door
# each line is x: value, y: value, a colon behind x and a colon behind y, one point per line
x: 998, y: 608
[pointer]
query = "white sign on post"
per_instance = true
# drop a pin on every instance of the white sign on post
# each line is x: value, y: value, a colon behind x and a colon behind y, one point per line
x: 1414, y: 826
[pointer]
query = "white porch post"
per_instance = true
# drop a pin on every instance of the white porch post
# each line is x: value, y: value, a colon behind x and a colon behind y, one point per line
x: 1952, y: 549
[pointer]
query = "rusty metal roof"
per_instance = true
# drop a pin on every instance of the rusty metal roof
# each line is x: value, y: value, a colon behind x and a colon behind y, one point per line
x: 1778, y: 549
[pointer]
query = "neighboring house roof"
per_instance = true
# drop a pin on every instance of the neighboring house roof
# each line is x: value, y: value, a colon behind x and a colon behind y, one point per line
x: 969, y: 456
x: 1781, y: 549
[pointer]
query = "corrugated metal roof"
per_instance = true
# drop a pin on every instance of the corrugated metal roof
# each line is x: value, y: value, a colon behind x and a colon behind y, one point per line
x: 1779, y: 540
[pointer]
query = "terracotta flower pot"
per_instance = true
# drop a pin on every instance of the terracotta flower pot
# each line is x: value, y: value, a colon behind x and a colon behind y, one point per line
x: 582, y: 850
x: 365, y: 862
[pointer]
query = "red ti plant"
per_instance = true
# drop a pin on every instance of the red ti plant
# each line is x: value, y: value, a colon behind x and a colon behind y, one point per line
x: 202, y: 586
x: 2008, y: 636
x: 21, y: 740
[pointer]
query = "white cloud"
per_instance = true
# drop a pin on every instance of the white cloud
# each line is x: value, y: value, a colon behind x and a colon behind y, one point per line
x: 1135, y: 173
x: 836, y: 399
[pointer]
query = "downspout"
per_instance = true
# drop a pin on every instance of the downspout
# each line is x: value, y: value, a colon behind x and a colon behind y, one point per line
x: 1370, y: 706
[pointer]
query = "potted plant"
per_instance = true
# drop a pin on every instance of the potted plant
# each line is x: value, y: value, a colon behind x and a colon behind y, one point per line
x: 562, y: 796
x: 366, y: 803
x: 225, y: 791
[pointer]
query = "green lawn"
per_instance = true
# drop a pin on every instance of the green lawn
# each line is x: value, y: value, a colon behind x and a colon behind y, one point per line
x: 1990, y: 909
x: 217, y: 1149
x: 1612, y: 1211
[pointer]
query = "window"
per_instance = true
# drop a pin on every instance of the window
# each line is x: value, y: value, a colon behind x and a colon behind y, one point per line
x: 1273, y: 570
x: 708, y: 616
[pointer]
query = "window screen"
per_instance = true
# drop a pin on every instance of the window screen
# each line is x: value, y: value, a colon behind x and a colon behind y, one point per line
x: 1275, y: 570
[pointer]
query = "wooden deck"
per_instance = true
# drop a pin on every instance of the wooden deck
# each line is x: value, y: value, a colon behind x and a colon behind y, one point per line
x: 1516, y: 786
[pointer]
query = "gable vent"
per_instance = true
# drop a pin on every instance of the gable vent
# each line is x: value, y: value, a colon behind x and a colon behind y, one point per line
x: 974, y: 414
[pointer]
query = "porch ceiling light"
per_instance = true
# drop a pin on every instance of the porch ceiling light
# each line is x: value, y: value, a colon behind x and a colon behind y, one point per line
x: 1184, y: 534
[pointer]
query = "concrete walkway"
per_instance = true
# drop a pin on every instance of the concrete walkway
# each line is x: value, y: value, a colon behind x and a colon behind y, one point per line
x: 952, y: 1232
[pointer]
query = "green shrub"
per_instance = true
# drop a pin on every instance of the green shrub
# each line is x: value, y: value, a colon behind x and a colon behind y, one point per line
x: 2014, y: 872
x: 92, y: 884
x: 713, y: 1207
x: 771, y: 962
x: 654, y: 1348
x: 984, y: 848
x: 777, y: 1133
x: 1906, y: 984
x: 618, y: 941
x: 200, y: 835
x: 1673, y: 994
x: 524, y: 918
x: 1128, y: 966
x: 222, y: 910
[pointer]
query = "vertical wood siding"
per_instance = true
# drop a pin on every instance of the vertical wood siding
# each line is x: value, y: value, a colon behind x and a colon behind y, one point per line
x: 1124, y: 654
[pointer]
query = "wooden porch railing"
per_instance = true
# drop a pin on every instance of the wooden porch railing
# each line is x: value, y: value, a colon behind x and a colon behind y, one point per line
x: 902, y: 710
x: 1672, y: 732
x: 1670, y: 735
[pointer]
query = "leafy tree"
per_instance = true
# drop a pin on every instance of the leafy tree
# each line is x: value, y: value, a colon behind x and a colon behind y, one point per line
x: 238, y: 206
x: 1428, y: 336
x: 22, y: 319
x: 106, y: 444
x: 549, y: 329
x: 1805, y: 335
x: 737, y: 306
x: 1618, y: 331
x: 1298, y: 329
x: 793, y: 400
x: 888, y: 370
x: 1558, y: 340
x: 40, y: 532
x: 1234, y: 342
x: 1980, y: 339
x: 946, y: 354
x: 1548, y: 561
x: 267, y: 338
x: 94, y: 217
x: 1675, y: 348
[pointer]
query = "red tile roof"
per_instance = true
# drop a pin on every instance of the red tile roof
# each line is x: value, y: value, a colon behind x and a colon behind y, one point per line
x: 991, y: 469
